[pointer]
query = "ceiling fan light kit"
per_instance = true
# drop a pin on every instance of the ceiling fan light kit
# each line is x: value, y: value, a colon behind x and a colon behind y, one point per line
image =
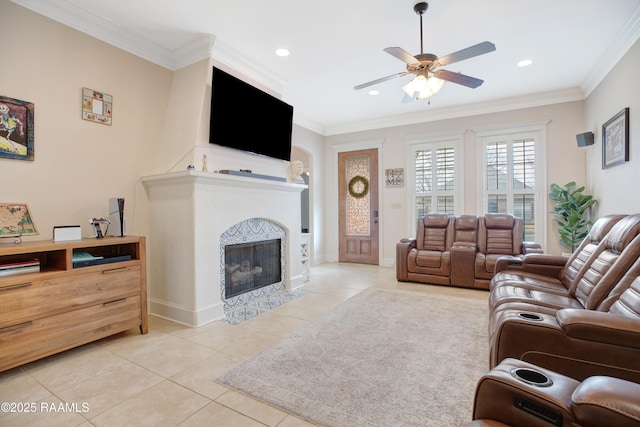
x: 429, y: 79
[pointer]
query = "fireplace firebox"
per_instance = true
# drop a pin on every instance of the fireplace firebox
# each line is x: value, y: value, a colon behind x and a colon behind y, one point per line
x: 251, y: 266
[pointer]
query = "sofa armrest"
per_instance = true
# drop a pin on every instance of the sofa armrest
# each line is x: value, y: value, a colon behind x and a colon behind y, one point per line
x: 610, y: 401
x: 531, y: 248
x: 599, y: 326
x: 545, y: 264
x: 402, y: 253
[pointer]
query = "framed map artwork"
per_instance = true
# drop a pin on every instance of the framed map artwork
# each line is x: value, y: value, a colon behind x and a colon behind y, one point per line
x: 16, y: 220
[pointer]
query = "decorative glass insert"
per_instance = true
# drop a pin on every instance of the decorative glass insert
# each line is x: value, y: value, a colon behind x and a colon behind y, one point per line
x: 358, y: 203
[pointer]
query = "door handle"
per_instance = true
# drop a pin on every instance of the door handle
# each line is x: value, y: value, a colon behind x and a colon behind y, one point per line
x: 375, y: 214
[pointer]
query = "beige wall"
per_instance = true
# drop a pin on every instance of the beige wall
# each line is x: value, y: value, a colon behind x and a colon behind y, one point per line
x: 79, y: 164
x: 615, y: 187
x: 564, y: 161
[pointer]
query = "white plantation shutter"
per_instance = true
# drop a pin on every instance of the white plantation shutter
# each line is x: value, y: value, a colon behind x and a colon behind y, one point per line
x: 511, y: 181
x: 436, y: 180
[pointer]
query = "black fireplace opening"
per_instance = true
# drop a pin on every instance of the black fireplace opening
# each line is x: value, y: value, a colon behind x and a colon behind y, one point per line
x: 250, y: 266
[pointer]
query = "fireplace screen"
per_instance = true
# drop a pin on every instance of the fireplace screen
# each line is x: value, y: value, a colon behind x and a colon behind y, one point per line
x: 250, y: 266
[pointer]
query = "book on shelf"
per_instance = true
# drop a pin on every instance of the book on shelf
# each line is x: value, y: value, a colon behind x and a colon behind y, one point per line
x: 20, y: 267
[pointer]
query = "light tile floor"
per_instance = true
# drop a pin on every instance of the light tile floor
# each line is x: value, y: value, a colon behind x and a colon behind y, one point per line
x: 167, y: 377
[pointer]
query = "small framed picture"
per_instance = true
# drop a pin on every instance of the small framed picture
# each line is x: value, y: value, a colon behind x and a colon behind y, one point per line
x: 394, y: 177
x: 97, y: 106
x: 615, y: 139
x: 16, y: 129
x: 16, y: 220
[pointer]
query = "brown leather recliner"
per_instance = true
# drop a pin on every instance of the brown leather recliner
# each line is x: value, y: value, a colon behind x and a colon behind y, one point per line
x: 426, y: 258
x: 519, y: 394
x: 499, y: 236
x: 553, y: 272
x: 602, y: 270
x: 576, y: 342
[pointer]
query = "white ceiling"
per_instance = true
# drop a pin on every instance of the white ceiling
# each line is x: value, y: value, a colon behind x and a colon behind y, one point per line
x: 337, y: 44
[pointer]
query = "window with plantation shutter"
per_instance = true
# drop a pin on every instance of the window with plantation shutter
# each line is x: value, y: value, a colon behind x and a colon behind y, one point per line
x: 511, y: 181
x: 436, y: 181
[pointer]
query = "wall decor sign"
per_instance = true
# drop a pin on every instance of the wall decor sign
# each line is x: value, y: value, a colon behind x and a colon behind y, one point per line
x: 96, y: 106
x: 615, y: 139
x: 16, y: 129
x: 394, y: 177
x: 16, y: 220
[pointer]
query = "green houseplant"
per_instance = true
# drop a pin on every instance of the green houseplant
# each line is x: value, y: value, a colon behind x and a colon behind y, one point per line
x: 571, y: 211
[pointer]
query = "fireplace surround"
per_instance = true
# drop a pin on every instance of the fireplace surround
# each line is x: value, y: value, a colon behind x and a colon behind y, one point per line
x: 191, y: 215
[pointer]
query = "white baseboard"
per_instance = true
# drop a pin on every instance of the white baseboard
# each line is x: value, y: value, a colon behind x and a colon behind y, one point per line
x: 186, y: 316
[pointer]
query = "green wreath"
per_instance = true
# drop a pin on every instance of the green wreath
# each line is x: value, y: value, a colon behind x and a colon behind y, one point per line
x: 358, y: 179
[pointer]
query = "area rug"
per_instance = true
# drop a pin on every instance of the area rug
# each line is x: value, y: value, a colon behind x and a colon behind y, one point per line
x: 382, y: 358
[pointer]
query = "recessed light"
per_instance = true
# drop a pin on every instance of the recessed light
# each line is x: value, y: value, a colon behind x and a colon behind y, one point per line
x: 525, y: 63
x: 282, y: 52
x: 374, y: 92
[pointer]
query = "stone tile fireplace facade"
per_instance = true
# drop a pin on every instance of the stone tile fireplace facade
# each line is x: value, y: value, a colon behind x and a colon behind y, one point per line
x: 250, y: 235
x: 193, y: 215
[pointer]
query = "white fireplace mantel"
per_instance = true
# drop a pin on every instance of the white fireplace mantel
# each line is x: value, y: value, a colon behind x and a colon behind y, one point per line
x: 189, y: 211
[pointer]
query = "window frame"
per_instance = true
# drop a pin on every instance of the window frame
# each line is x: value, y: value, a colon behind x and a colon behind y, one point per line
x: 536, y: 131
x: 455, y: 142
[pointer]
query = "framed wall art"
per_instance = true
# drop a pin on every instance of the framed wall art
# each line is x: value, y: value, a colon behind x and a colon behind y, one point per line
x: 16, y: 129
x: 96, y: 106
x: 394, y: 177
x: 615, y: 139
x: 16, y: 220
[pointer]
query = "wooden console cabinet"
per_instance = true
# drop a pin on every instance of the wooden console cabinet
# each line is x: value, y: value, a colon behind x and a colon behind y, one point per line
x: 68, y: 304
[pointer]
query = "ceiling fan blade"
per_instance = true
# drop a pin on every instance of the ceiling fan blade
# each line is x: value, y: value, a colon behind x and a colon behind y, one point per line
x: 402, y: 55
x: 458, y: 78
x: 383, y: 79
x: 470, y: 52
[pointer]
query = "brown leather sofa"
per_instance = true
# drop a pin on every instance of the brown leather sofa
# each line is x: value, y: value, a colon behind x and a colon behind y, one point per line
x: 460, y: 251
x: 519, y: 394
x: 581, y: 321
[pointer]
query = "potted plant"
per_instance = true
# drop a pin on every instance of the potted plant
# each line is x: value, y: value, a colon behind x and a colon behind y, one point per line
x: 571, y: 212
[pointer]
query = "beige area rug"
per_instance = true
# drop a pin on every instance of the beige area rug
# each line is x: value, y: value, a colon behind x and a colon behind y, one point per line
x: 382, y: 358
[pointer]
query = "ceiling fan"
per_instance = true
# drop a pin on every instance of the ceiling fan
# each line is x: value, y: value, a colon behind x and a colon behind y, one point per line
x: 429, y: 79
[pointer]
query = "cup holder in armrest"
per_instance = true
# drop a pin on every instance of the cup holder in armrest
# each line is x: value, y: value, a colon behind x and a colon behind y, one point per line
x: 531, y: 377
x: 530, y: 316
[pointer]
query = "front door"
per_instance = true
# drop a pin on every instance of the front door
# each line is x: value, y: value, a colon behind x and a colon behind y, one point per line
x: 358, y: 206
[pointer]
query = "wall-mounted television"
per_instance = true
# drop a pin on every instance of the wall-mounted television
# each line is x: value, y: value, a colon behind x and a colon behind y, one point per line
x: 248, y: 119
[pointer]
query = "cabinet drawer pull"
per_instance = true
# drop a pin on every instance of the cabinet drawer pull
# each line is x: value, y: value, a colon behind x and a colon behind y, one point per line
x: 17, y: 286
x: 114, y: 270
x: 14, y: 327
x: 114, y: 302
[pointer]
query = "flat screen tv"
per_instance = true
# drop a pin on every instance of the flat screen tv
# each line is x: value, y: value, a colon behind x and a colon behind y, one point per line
x: 248, y: 119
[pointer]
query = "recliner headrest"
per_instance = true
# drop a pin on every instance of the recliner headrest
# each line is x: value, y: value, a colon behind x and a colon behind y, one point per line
x: 436, y: 220
x: 499, y: 220
x: 601, y: 227
x: 467, y: 222
x: 623, y: 233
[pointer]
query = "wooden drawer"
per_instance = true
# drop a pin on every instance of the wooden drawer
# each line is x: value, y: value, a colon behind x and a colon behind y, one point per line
x: 27, y: 341
x: 22, y: 301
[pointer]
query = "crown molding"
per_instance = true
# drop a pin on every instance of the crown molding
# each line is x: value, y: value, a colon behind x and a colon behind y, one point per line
x: 625, y: 39
x: 436, y: 114
x: 79, y: 19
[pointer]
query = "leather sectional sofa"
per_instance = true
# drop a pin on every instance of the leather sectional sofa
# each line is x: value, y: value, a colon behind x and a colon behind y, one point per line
x: 461, y: 250
x: 579, y: 316
x: 565, y: 335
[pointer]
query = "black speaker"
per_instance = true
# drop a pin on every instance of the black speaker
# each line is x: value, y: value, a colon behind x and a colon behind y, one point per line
x: 585, y: 139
